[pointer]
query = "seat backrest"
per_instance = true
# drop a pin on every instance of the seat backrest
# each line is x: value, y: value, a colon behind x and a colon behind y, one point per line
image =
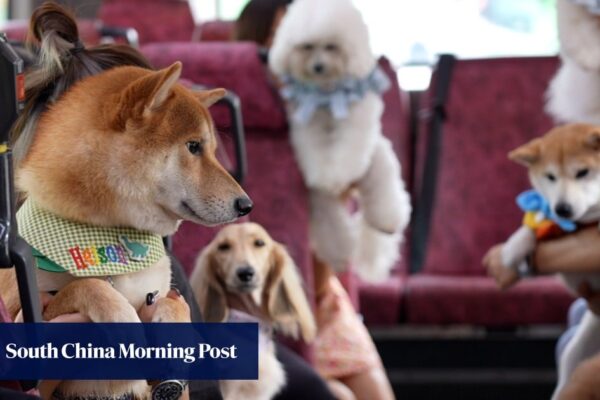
x: 274, y: 182
x: 17, y: 29
x: 154, y: 20
x: 216, y: 31
x: 495, y: 105
x: 238, y: 67
x: 234, y: 66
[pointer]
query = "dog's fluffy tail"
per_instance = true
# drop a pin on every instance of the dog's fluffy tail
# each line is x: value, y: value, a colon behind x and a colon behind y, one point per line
x: 376, y: 252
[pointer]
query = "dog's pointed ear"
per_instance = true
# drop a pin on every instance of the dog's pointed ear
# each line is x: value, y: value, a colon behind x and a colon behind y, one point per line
x: 162, y: 84
x: 208, y: 288
x: 145, y: 95
x: 592, y: 140
x: 210, y: 97
x: 284, y: 299
x: 528, y: 153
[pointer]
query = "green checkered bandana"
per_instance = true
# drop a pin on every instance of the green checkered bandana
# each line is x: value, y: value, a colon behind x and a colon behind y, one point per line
x: 60, y: 245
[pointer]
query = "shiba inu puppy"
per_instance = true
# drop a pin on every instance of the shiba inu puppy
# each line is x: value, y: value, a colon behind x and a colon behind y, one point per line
x: 114, y: 163
x: 564, y: 169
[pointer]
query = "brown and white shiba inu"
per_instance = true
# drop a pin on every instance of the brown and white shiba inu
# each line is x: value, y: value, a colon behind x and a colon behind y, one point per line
x: 564, y: 168
x: 129, y: 147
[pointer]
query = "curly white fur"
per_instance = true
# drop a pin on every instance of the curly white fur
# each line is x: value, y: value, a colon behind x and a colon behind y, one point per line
x: 573, y: 95
x: 336, y: 155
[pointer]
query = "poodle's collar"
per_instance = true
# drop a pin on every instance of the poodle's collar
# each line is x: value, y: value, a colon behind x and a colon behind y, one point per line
x: 85, y: 250
x: 309, y: 97
x: 593, y: 6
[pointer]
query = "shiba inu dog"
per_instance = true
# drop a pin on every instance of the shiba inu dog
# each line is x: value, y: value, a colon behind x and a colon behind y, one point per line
x: 114, y: 163
x: 564, y: 169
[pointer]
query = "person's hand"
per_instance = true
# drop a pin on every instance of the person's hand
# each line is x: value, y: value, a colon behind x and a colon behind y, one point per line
x: 171, y: 308
x: 591, y: 296
x: 45, y: 299
x: 492, y: 261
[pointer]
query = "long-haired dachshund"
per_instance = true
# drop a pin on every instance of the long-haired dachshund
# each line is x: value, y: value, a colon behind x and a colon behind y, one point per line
x: 243, y: 275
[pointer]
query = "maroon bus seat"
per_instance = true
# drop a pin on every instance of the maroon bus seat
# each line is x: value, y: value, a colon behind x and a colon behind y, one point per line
x: 273, y: 182
x: 16, y: 30
x: 495, y: 105
x: 154, y: 20
x: 216, y: 31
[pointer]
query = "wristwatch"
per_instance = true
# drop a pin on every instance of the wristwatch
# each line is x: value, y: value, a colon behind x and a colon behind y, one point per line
x: 171, y: 389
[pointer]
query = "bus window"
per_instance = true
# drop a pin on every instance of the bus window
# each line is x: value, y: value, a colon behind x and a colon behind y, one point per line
x: 466, y: 28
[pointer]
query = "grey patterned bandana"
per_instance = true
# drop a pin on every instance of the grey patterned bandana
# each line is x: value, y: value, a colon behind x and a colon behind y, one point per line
x: 593, y: 6
x: 308, y: 97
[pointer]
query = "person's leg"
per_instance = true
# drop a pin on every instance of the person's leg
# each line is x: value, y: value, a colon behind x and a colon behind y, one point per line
x: 205, y: 390
x: 370, y: 385
x: 584, y: 344
x: 302, y: 382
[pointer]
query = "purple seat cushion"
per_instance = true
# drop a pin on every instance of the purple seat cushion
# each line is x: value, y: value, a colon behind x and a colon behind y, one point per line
x: 495, y: 105
x: 476, y: 300
x: 155, y: 20
x: 234, y: 66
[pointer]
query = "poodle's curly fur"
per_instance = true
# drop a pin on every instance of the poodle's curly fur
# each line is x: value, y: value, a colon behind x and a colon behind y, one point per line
x: 573, y: 95
x: 321, y: 43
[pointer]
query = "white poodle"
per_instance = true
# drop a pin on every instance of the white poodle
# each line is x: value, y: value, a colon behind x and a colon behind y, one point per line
x: 333, y: 87
x: 574, y: 93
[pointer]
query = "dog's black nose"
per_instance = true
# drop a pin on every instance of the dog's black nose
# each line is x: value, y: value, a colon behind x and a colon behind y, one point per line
x: 564, y: 210
x: 243, y: 205
x: 245, y: 274
x: 318, y: 68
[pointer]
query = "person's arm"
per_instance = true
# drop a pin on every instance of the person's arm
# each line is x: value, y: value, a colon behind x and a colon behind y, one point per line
x: 576, y: 252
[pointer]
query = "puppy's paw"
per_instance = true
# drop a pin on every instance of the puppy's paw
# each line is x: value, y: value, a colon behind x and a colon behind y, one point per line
x: 93, y: 298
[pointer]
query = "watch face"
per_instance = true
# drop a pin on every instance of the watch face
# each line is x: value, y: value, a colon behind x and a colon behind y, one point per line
x: 168, y: 390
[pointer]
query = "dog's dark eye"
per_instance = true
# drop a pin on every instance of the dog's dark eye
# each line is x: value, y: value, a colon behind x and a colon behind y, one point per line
x: 550, y: 177
x: 224, y: 246
x: 582, y: 173
x: 331, y: 47
x: 194, y: 147
x: 259, y: 243
x: 308, y: 47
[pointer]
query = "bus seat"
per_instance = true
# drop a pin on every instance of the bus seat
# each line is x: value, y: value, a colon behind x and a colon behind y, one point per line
x: 155, y: 20
x: 273, y: 182
x: 396, y: 127
x: 494, y: 106
x: 16, y: 30
x: 216, y: 31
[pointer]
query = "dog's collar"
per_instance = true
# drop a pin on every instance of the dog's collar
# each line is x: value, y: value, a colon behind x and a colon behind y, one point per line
x: 593, y: 6
x: 308, y: 97
x: 85, y: 250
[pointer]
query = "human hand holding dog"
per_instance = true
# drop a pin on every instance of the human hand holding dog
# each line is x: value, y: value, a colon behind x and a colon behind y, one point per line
x: 171, y: 308
x: 492, y: 261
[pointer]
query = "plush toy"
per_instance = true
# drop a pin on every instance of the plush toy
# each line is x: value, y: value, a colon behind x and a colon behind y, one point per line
x: 539, y: 223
